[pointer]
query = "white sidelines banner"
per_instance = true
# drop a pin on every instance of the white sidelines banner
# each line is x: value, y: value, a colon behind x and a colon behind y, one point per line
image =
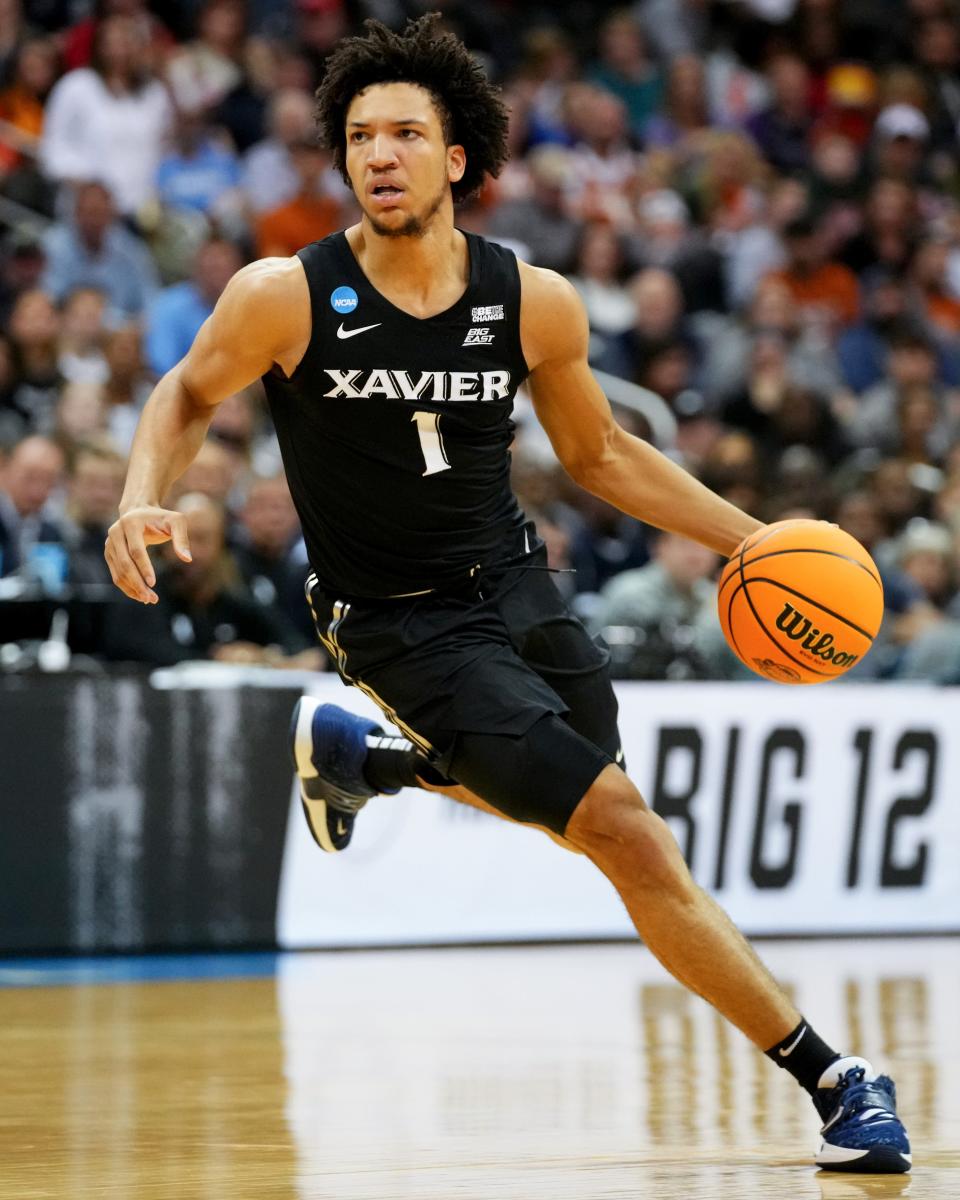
x: 802, y: 810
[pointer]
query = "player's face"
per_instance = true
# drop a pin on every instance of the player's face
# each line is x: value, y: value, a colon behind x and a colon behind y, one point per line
x: 399, y: 164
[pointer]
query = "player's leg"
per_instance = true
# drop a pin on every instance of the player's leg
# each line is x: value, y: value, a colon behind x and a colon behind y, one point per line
x: 698, y: 943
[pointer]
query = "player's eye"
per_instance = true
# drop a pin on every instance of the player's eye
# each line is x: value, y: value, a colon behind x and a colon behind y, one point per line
x: 408, y: 133
x: 357, y: 136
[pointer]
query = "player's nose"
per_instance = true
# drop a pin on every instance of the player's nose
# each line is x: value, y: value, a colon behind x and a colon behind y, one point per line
x: 382, y: 153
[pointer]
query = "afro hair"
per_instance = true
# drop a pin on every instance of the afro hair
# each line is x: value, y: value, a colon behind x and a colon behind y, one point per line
x: 470, y: 108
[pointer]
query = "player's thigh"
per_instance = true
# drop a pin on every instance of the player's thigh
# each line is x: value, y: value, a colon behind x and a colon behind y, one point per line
x: 553, y: 642
x: 537, y: 777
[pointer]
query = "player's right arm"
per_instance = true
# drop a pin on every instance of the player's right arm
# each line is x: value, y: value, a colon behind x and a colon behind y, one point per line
x: 262, y: 318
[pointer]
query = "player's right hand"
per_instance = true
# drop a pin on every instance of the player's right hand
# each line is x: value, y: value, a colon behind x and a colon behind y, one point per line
x: 126, y: 548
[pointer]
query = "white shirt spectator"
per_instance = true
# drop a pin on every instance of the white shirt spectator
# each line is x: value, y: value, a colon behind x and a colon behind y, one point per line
x: 269, y: 178
x: 91, y: 133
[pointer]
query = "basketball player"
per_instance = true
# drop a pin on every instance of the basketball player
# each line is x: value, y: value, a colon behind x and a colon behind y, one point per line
x: 390, y: 355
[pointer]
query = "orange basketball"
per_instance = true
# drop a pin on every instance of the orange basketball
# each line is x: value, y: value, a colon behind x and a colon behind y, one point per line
x: 800, y: 601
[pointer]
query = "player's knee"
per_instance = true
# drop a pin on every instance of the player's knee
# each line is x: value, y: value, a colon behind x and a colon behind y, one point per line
x: 629, y: 843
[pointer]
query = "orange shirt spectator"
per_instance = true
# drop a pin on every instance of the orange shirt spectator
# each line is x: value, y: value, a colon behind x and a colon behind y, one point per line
x: 306, y: 218
x: 825, y: 292
x: 295, y: 224
x: 21, y: 104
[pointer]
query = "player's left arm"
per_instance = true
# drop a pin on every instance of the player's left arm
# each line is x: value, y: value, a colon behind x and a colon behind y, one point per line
x: 594, y: 450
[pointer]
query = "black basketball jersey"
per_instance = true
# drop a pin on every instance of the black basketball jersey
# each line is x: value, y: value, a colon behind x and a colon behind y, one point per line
x: 395, y: 431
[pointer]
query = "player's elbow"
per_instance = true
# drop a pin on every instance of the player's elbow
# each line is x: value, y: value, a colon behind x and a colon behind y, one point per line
x: 592, y: 464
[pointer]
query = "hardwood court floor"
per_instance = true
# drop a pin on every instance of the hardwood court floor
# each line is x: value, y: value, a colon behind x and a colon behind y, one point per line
x: 518, y: 1073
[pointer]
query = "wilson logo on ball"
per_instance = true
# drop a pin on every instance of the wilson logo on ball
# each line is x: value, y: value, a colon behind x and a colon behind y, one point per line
x: 800, y: 628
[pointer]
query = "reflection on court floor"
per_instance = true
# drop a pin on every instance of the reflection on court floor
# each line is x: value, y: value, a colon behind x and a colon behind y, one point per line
x: 520, y: 1073
x: 588, y: 1072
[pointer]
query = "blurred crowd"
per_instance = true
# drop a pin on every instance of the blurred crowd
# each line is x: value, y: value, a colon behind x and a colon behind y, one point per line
x: 758, y: 201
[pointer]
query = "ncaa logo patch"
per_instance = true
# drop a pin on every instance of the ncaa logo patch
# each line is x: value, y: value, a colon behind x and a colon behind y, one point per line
x: 344, y: 300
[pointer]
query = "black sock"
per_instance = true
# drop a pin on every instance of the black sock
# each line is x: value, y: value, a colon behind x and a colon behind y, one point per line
x: 393, y: 762
x: 804, y: 1054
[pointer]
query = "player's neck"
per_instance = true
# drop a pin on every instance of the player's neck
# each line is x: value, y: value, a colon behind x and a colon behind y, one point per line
x: 422, y: 275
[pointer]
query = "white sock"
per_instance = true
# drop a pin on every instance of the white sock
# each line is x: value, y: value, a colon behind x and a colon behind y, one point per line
x: 833, y: 1074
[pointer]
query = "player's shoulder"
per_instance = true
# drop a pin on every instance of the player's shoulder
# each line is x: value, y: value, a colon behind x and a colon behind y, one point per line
x: 552, y: 318
x: 268, y: 302
x: 267, y: 280
x: 540, y: 284
x: 266, y: 289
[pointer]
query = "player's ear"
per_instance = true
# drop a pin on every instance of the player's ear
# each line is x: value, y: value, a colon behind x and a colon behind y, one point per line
x: 456, y: 163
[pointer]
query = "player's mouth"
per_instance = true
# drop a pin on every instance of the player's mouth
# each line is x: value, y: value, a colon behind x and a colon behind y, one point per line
x: 385, y: 195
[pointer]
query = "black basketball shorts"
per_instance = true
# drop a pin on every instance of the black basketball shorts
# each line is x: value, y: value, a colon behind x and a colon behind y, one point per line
x: 498, y: 684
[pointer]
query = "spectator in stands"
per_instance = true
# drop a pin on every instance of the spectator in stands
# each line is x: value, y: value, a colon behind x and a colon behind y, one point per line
x: 204, y: 71
x: 80, y: 357
x: 901, y: 135
x: 603, y: 165
x: 203, y: 611
x: 895, y: 489
x: 110, y: 121
x: 733, y: 468
x: 34, y: 330
x: 94, y: 487
x: 928, y: 276
x: 889, y: 233
x: 201, y: 172
x: 13, y: 32
x: 599, y: 276
x: 777, y: 411
x: 177, y: 312
x: 925, y: 554
x: 30, y: 476
x: 234, y: 428
x: 79, y: 41
x: 665, y: 238
x: 22, y: 101
x: 603, y: 541
x: 625, y: 69
x: 269, y: 177
x: 657, y: 319
x: 548, y: 68
x: 863, y: 348
x: 270, y: 553
x: 908, y: 614
x: 661, y: 619
x: 21, y: 266
x: 81, y: 414
x: 540, y: 222
x: 756, y: 249
x: 685, y: 112
x: 937, y: 51
x: 782, y: 130
x: 825, y: 292
x: 309, y: 215
x: 128, y: 384
x: 912, y: 363
x: 212, y: 473
x: 97, y: 250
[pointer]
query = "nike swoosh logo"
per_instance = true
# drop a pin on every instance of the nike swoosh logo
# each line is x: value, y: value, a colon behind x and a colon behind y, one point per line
x: 347, y: 333
x: 793, y: 1045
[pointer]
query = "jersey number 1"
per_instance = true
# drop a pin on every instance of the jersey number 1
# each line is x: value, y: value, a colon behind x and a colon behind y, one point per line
x: 431, y: 442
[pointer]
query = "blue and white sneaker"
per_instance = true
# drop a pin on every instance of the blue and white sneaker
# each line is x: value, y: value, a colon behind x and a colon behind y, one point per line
x: 329, y: 746
x: 861, y: 1130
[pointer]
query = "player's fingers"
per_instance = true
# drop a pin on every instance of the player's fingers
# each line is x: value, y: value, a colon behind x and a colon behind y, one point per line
x: 124, y: 574
x: 179, y: 536
x: 137, y: 551
x: 109, y: 553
